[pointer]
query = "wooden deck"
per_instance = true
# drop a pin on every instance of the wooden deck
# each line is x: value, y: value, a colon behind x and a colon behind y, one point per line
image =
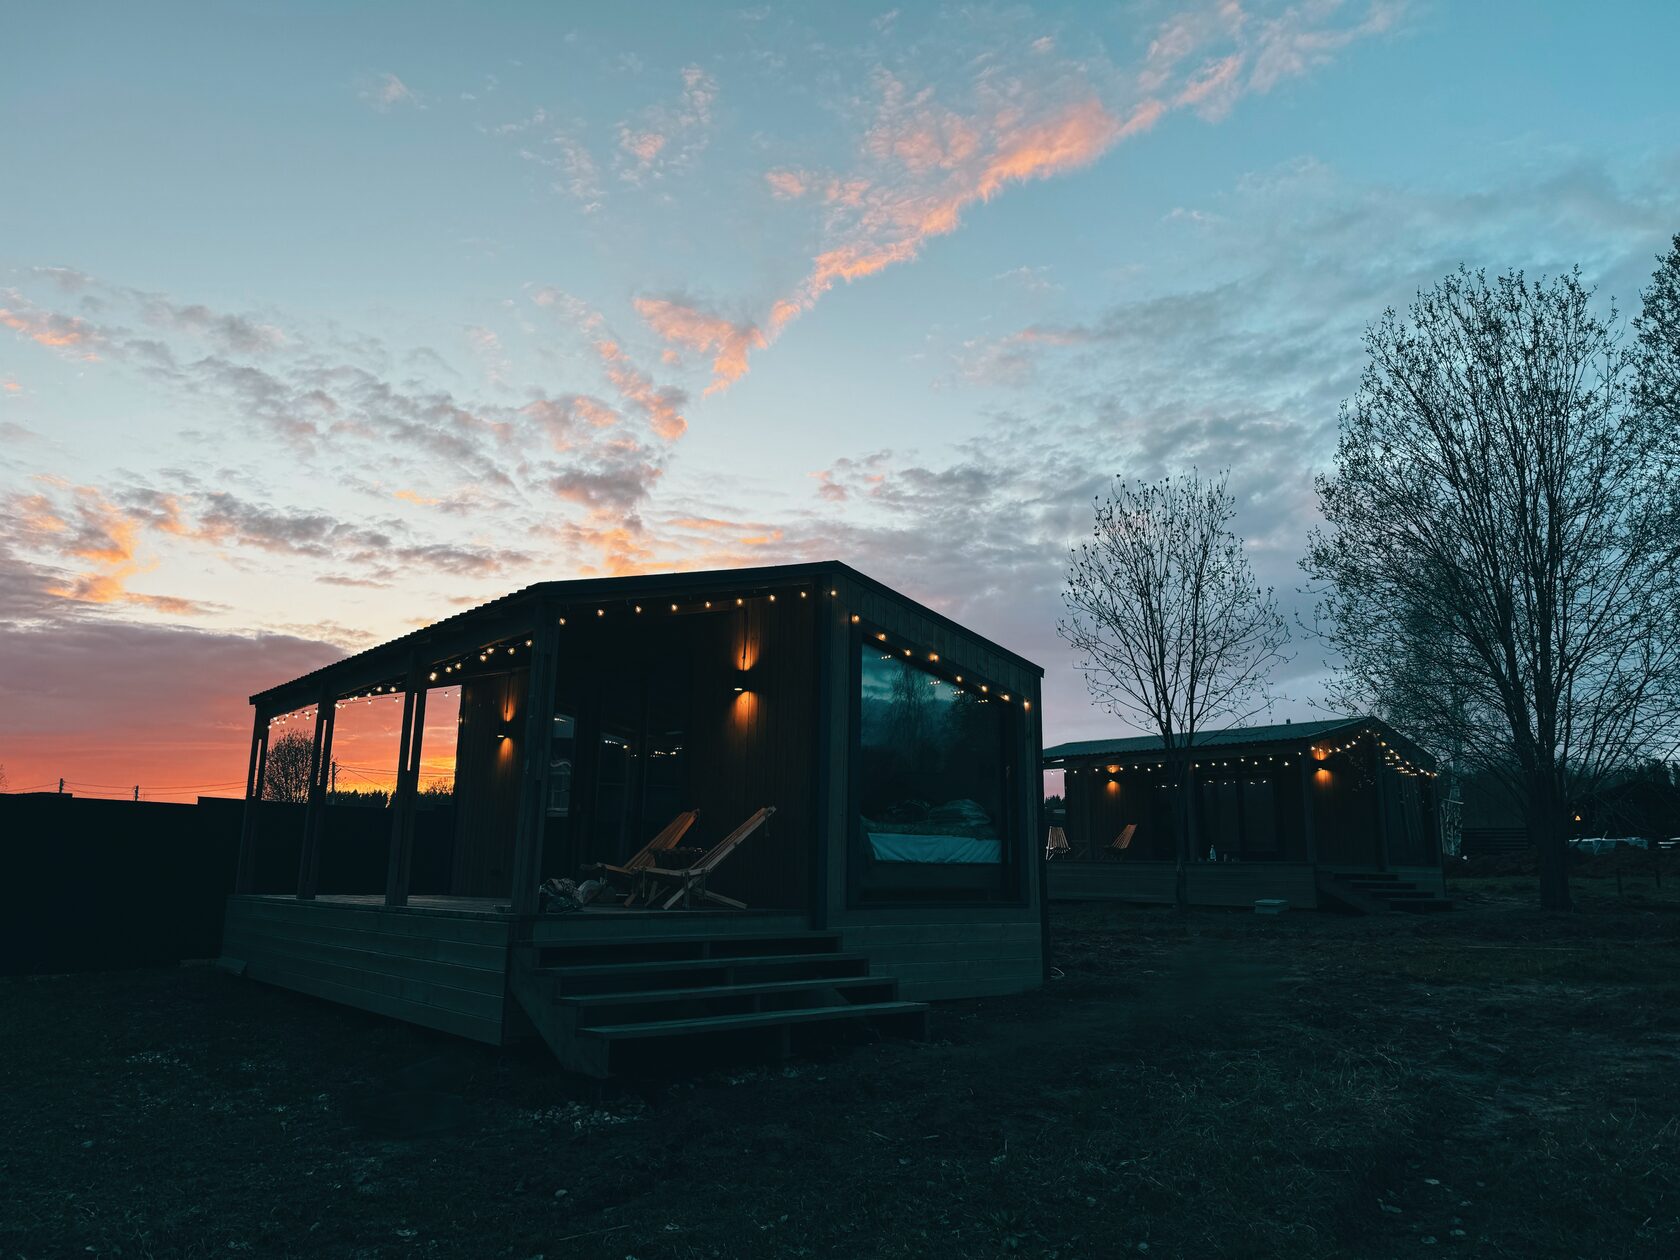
x: 441, y: 962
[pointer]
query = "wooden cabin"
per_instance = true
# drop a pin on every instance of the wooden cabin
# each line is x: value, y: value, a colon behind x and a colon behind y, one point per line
x: 858, y: 775
x: 1339, y: 813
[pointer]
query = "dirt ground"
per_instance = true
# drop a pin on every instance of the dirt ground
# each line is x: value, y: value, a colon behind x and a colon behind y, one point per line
x: 1490, y: 1082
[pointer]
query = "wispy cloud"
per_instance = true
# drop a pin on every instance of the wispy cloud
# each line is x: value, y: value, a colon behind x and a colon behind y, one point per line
x: 682, y: 323
x: 389, y: 92
x: 668, y: 137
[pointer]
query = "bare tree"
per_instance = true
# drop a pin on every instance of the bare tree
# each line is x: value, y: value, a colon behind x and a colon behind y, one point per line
x: 1657, y: 381
x: 1173, y: 631
x: 1496, y: 566
x: 286, y: 772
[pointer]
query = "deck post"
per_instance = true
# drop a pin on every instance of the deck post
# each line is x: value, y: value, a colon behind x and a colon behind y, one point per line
x: 826, y: 615
x: 244, y: 877
x: 1382, y: 788
x: 408, y: 776
x: 1308, y: 830
x: 533, y: 778
x: 320, y: 770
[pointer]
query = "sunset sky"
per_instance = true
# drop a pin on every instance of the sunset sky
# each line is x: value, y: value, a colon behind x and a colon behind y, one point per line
x: 320, y: 322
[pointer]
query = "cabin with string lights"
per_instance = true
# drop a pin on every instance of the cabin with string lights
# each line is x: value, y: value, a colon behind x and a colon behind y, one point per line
x: 734, y: 808
x: 1338, y: 814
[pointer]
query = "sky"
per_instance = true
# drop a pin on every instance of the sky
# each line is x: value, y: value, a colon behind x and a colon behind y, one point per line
x: 319, y: 325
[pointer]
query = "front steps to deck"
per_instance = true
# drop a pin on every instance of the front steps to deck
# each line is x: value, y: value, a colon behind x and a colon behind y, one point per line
x: 659, y: 1002
x: 1378, y: 892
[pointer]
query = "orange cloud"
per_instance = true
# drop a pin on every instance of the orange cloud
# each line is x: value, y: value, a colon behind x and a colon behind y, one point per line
x: 949, y: 163
x: 787, y: 185
x: 46, y: 328
x: 644, y: 146
x: 659, y: 404
x: 91, y: 530
x: 414, y: 496
x: 729, y: 343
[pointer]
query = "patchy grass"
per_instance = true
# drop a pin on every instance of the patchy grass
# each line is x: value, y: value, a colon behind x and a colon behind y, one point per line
x: 1491, y: 1082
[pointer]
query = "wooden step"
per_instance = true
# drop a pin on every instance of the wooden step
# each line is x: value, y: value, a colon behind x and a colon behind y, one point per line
x: 653, y: 948
x: 711, y: 992
x: 597, y: 977
x: 1381, y: 885
x: 817, y: 940
x: 758, y: 1019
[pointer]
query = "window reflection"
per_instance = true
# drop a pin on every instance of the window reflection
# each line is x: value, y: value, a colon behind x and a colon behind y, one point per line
x: 931, y: 786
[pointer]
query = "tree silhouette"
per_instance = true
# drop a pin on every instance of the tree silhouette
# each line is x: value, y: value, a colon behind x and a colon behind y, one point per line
x: 1657, y: 380
x: 1497, y: 565
x: 286, y: 772
x: 1173, y: 631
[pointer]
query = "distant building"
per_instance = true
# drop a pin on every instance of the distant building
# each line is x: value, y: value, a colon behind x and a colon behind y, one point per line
x: 1339, y: 812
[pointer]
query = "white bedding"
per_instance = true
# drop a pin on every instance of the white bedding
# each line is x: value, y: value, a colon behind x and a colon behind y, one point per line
x: 891, y: 846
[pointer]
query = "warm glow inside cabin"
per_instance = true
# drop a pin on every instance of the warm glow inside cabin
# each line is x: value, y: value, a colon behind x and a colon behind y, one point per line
x: 831, y: 757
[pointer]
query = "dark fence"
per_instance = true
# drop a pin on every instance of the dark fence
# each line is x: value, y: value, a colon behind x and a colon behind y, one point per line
x: 94, y: 885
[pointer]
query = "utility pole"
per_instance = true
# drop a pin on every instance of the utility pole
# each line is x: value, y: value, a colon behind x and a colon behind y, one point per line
x: 61, y: 786
x: 335, y: 776
x: 136, y: 793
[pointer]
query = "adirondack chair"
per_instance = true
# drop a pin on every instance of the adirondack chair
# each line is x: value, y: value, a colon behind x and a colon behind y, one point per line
x: 1123, y: 841
x: 667, y: 838
x: 658, y: 886
x: 1056, y: 844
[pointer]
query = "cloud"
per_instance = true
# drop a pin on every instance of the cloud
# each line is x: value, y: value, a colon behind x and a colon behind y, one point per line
x: 660, y: 404
x: 47, y: 328
x: 682, y: 323
x: 390, y: 92
x: 936, y: 163
x: 787, y: 185
x: 96, y: 542
x: 925, y: 162
x: 668, y: 137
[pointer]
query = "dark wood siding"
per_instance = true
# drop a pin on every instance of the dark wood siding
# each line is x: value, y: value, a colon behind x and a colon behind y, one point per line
x: 742, y: 749
x: 487, y: 770
x: 433, y: 968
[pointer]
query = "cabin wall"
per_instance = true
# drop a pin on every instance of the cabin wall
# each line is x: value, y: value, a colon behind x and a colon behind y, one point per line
x: 756, y: 748
x: 433, y: 968
x: 1345, y: 812
x: 1099, y: 806
x: 487, y: 772
x: 741, y: 750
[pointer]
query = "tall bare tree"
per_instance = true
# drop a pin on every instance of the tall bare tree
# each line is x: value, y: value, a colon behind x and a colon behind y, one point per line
x: 1173, y: 631
x: 286, y: 772
x: 1658, y: 328
x: 1496, y: 568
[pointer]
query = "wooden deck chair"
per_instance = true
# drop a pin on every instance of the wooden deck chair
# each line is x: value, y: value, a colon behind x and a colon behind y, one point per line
x: 1057, y: 844
x: 664, y: 888
x: 1123, y: 841
x: 667, y: 838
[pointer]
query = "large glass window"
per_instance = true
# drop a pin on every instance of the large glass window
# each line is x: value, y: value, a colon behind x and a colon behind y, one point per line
x: 932, y: 792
